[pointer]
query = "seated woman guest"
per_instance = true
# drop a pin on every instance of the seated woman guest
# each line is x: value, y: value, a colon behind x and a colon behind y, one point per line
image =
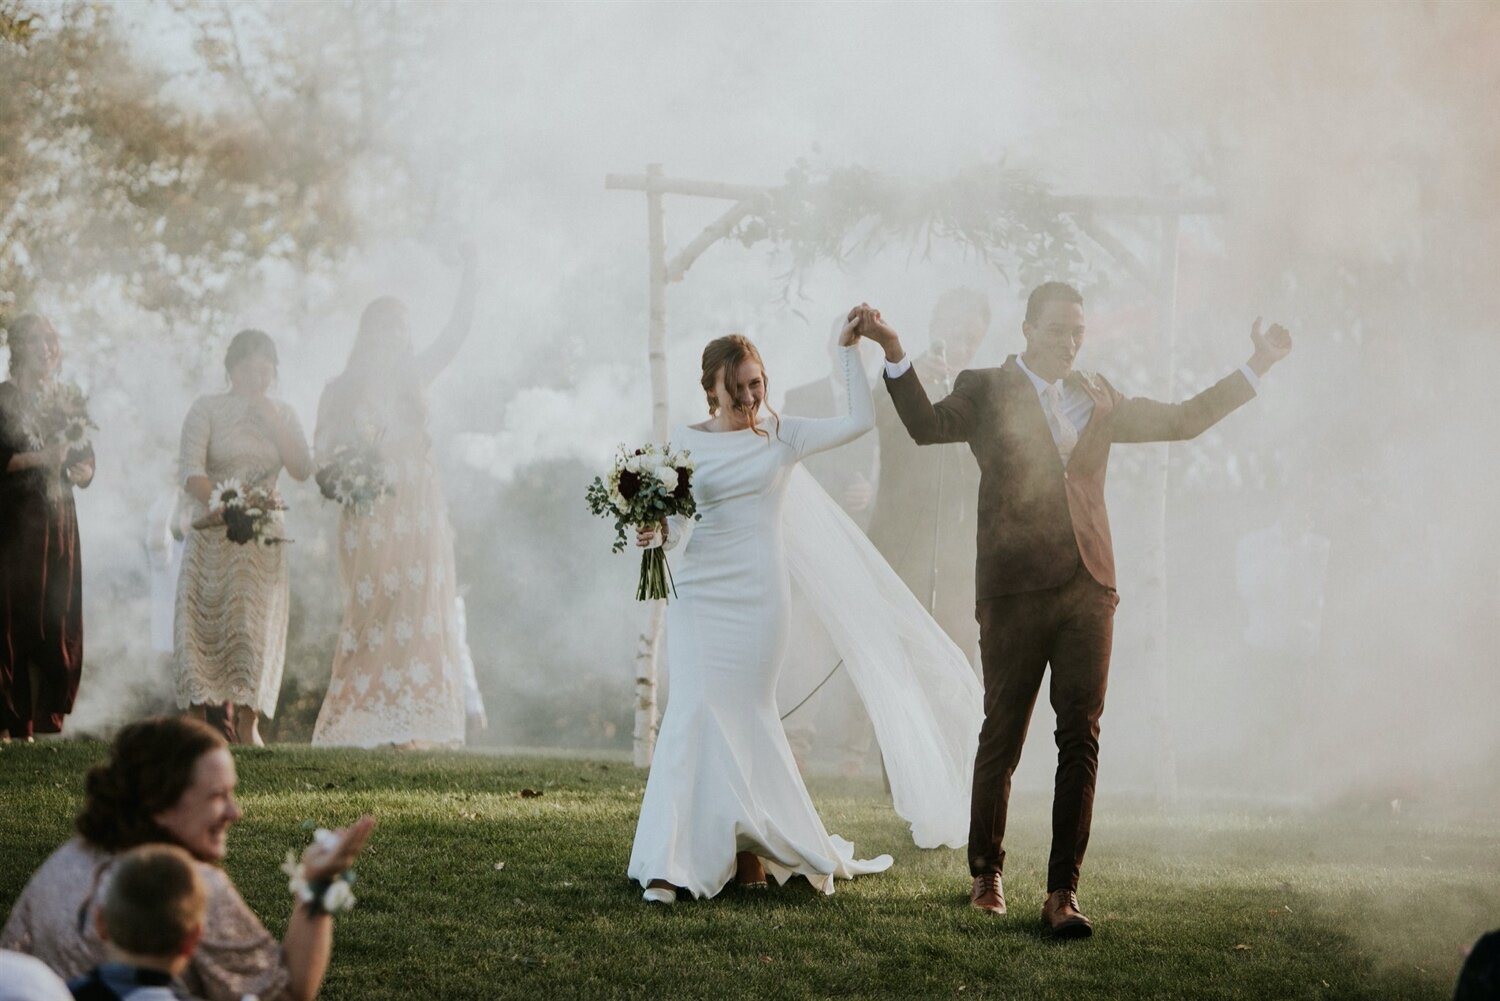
x: 173, y: 780
x: 41, y: 573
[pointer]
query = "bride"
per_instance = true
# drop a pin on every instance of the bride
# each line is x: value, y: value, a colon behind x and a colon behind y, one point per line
x: 724, y: 799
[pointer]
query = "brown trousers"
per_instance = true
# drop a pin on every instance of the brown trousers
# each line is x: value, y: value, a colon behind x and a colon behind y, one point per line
x: 1071, y: 628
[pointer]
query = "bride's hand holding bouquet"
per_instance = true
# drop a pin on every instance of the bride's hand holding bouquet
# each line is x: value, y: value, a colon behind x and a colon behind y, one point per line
x: 647, y: 486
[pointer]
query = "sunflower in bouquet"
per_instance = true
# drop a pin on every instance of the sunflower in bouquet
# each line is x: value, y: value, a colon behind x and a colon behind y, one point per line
x: 645, y: 487
x: 60, y: 416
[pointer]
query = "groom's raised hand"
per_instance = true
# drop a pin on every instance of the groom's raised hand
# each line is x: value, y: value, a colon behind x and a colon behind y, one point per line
x: 874, y: 327
x: 1270, y: 347
x: 851, y: 333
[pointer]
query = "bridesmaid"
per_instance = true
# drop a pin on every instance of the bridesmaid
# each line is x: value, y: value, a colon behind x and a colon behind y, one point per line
x: 232, y: 599
x: 41, y: 572
x: 398, y: 670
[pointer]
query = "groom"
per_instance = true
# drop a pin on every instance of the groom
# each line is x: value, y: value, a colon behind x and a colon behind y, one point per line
x: 1041, y: 434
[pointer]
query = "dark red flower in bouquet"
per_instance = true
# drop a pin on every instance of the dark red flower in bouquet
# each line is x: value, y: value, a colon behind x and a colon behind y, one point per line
x: 239, y: 526
x: 630, y: 484
x: 684, y: 487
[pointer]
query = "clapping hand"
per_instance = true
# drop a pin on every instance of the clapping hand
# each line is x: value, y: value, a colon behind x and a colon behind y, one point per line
x: 859, y: 492
x: 325, y: 860
x: 1270, y: 347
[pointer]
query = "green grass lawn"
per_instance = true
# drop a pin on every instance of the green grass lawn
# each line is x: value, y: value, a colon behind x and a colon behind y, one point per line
x: 470, y: 890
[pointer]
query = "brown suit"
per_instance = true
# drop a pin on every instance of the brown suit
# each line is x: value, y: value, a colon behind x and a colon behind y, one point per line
x: 1045, y: 575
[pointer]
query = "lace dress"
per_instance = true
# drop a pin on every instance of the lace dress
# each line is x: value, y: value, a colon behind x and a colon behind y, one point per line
x: 233, y: 600
x: 723, y: 778
x: 398, y: 674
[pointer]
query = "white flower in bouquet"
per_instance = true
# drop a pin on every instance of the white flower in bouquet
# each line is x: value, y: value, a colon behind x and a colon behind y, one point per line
x: 644, y: 487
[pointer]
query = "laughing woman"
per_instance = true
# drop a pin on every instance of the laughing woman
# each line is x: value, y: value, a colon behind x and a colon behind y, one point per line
x: 173, y: 781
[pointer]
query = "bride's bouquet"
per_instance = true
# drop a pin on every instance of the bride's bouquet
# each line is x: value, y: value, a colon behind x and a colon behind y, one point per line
x: 60, y: 415
x: 646, y: 486
x: 248, y: 514
x: 356, y: 477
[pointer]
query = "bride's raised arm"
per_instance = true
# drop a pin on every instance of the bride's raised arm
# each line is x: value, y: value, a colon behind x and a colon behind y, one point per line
x: 440, y: 354
x: 808, y: 435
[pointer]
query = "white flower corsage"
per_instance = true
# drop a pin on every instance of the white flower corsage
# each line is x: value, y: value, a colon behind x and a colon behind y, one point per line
x: 327, y: 896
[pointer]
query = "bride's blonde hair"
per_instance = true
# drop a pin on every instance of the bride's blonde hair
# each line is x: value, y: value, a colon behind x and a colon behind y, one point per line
x: 727, y: 354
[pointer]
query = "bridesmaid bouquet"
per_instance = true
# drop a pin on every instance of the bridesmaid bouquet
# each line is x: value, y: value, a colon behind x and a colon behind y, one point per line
x: 248, y: 514
x: 356, y: 477
x: 60, y: 415
x: 646, y: 486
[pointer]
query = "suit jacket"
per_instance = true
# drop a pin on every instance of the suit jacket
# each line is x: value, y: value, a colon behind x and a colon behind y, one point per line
x: 1037, y: 519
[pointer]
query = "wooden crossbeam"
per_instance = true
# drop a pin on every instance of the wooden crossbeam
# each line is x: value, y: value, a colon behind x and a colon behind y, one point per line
x: 681, y: 186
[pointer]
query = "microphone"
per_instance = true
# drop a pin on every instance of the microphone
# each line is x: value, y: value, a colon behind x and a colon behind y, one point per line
x: 939, y: 351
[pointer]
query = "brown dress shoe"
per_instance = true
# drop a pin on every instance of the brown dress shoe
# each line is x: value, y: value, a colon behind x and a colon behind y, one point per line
x: 987, y: 893
x: 748, y: 871
x: 1063, y: 918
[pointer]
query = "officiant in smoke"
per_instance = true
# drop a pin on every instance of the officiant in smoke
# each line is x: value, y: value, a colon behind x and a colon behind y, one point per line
x: 924, y: 519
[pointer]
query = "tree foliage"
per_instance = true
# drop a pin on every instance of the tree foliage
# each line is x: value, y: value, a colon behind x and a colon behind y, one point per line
x: 116, y: 192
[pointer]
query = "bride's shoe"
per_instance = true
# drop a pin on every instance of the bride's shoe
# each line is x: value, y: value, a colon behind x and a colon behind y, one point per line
x: 659, y: 891
x: 749, y: 874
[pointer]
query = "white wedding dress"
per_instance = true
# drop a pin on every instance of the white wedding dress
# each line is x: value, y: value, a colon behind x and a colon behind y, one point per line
x: 723, y: 779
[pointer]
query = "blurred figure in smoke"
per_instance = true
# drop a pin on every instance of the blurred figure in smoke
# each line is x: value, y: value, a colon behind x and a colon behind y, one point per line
x: 924, y: 520
x: 398, y: 671
x: 41, y: 569
x: 233, y: 600
x: 814, y: 689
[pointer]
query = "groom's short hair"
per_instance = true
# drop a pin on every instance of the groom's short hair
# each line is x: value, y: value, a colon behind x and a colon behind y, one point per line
x: 1050, y: 292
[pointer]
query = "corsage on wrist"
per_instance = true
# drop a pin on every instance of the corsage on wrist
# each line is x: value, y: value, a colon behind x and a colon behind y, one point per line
x: 323, y: 896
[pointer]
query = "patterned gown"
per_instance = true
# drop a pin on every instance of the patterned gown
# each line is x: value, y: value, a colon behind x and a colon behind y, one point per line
x: 398, y: 669
x: 232, y: 600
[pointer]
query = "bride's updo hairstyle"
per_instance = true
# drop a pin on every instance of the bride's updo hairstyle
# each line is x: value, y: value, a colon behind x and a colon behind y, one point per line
x: 727, y: 354
x: 150, y: 766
